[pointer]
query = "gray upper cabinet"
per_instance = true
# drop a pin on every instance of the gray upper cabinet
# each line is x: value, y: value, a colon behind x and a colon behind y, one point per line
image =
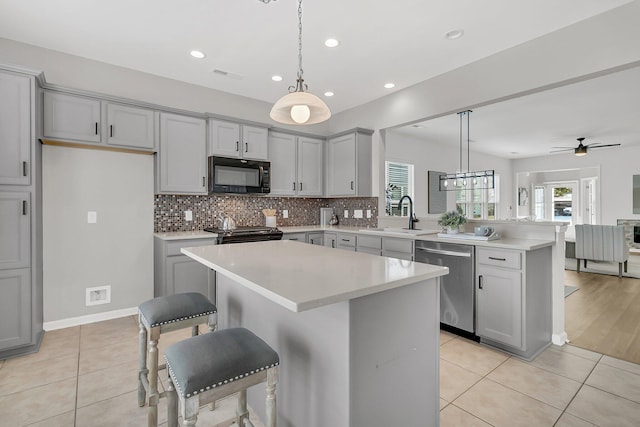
x: 15, y: 125
x: 71, y: 117
x: 182, y: 157
x: 15, y: 217
x: 349, y: 164
x: 296, y: 165
x: 130, y: 126
x: 228, y: 139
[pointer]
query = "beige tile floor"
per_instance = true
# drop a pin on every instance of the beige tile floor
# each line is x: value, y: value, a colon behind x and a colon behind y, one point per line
x: 86, y: 377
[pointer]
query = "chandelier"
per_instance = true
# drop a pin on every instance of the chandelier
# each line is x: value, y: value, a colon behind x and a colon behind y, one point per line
x: 466, y: 179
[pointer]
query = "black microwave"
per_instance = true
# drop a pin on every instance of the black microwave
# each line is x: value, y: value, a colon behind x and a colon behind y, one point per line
x: 229, y: 175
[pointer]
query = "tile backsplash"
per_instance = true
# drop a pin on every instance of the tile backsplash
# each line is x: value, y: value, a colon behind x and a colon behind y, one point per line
x: 169, y: 211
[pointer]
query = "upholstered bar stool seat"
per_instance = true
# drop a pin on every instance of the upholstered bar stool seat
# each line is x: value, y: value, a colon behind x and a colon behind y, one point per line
x: 208, y: 367
x: 158, y: 316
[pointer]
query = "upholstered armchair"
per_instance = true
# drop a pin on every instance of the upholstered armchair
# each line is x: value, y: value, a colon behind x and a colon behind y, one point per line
x: 601, y: 243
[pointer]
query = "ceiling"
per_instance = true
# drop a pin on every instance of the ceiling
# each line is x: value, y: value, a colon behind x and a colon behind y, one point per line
x: 604, y: 110
x: 400, y: 41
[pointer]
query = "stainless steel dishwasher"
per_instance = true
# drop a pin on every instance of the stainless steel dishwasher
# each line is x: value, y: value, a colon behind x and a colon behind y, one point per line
x: 457, y: 291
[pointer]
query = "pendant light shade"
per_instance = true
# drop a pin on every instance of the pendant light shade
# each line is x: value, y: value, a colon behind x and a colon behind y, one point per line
x: 299, y: 107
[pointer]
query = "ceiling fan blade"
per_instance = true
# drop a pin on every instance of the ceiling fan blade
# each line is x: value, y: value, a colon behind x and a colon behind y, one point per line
x: 563, y: 149
x: 601, y: 145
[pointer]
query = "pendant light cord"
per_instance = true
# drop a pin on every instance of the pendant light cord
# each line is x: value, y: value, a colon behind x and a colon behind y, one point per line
x: 299, y: 39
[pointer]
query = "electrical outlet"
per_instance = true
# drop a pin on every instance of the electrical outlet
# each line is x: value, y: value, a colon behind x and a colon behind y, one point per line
x: 346, y: 213
x: 368, y: 213
x: 98, y: 295
x: 92, y: 217
x: 357, y: 213
x: 188, y: 216
x: 285, y: 213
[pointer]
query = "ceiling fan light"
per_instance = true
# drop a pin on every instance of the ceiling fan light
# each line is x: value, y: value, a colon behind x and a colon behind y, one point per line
x: 291, y: 104
x: 580, y: 151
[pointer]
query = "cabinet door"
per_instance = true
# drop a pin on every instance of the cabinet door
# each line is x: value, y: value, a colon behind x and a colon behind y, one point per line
x: 282, y: 155
x: 316, y: 239
x: 309, y: 166
x: 255, y: 143
x: 182, y: 156
x: 15, y: 243
x: 499, y: 305
x: 224, y: 139
x: 15, y: 129
x: 331, y: 240
x: 15, y: 308
x: 342, y: 166
x: 187, y: 275
x: 70, y: 117
x: 130, y: 127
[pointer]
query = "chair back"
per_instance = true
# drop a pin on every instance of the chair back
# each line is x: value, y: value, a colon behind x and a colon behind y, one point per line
x: 601, y: 243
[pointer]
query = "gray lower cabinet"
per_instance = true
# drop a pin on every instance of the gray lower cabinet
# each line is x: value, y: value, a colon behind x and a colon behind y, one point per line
x: 331, y: 240
x: 369, y: 244
x: 316, y: 238
x: 15, y: 244
x: 300, y: 237
x: 15, y: 308
x: 513, y: 299
x: 347, y: 241
x: 176, y: 273
x: 397, y: 248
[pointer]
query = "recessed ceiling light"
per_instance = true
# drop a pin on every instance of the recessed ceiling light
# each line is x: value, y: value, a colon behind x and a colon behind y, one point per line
x: 454, y: 34
x: 197, y: 54
x: 276, y: 78
x: 389, y: 85
x: 329, y: 93
x: 331, y: 43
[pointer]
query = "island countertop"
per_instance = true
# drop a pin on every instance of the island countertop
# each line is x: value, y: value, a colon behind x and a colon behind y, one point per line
x: 301, y: 277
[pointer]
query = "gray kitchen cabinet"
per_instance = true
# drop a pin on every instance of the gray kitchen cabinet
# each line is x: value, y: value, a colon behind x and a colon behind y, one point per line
x: 296, y: 165
x: 175, y: 272
x: 315, y: 238
x: 397, y: 248
x: 71, y: 118
x: 15, y: 218
x: 182, y: 157
x: 130, y: 127
x: 346, y: 241
x: 300, y: 237
x: 349, y: 159
x: 369, y: 244
x: 15, y: 122
x: 330, y: 240
x: 21, y: 311
x: 513, y: 299
x: 15, y: 308
x: 230, y: 139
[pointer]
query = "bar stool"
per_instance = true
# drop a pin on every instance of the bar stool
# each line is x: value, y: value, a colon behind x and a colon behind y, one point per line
x: 156, y: 317
x: 209, y: 367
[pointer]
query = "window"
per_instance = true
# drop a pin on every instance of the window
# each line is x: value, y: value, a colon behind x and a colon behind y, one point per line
x: 479, y: 203
x: 398, y: 183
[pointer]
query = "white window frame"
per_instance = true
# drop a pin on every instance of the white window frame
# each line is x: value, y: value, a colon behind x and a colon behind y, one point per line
x: 409, y: 186
x: 467, y: 206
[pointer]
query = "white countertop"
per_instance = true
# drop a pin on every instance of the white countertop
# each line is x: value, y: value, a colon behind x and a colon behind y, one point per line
x: 181, y: 235
x: 301, y: 277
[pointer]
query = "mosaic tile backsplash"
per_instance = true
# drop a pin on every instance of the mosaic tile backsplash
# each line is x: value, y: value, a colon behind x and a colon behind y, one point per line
x: 247, y: 211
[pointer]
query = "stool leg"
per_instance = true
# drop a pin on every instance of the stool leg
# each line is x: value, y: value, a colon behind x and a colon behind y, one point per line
x: 190, y: 408
x: 172, y: 404
x: 153, y: 377
x: 272, y: 380
x: 194, y: 331
x: 241, y: 412
x: 212, y: 321
x: 142, y: 394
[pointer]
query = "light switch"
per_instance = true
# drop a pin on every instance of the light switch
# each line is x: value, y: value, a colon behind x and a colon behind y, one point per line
x: 92, y: 217
x: 357, y: 213
x: 188, y: 216
x: 285, y: 213
x: 368, y: 213
x: 346, y: 213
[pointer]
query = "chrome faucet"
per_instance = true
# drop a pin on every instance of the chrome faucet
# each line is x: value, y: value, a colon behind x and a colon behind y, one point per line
x: 412, y: 217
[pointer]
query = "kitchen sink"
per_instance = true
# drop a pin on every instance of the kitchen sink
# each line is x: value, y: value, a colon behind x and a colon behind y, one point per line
x: 405, y: 231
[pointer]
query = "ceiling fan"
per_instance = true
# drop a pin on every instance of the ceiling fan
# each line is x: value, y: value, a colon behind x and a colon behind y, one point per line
x: 581, y: 149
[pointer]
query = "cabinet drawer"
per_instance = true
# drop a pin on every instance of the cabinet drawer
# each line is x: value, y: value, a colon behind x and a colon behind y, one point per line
x: 173, y: 248
x: 346, y: 240
x: 500, y: 258
x: 300, y: 237
x: 397, y: 245
x: 369, y: 242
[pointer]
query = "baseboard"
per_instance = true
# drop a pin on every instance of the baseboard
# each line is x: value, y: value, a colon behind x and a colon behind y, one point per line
x: 90, y: 318
x: 559, y: 339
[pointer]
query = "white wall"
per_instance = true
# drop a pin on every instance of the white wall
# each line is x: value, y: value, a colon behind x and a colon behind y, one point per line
x: 117, y: 250
x: 426, y: 156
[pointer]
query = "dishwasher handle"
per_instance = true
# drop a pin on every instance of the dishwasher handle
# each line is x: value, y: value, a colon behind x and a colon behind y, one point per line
x: 443, y: 252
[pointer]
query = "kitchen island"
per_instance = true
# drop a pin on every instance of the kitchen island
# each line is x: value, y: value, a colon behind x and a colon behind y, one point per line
x: 357, y: 334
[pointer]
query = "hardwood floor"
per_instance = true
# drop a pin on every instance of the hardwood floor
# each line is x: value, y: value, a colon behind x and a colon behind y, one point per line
x: 604, y: 314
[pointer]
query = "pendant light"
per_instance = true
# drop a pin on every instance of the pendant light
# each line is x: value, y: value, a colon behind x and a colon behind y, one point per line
x: 299, y: 107
x: 461, y: 179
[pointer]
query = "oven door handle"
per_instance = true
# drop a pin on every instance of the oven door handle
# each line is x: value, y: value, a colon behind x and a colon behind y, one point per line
x: 443, y: 252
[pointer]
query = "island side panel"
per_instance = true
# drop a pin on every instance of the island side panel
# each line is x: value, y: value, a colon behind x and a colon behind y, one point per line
x: 313, y: 386
x: 395, y: 352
